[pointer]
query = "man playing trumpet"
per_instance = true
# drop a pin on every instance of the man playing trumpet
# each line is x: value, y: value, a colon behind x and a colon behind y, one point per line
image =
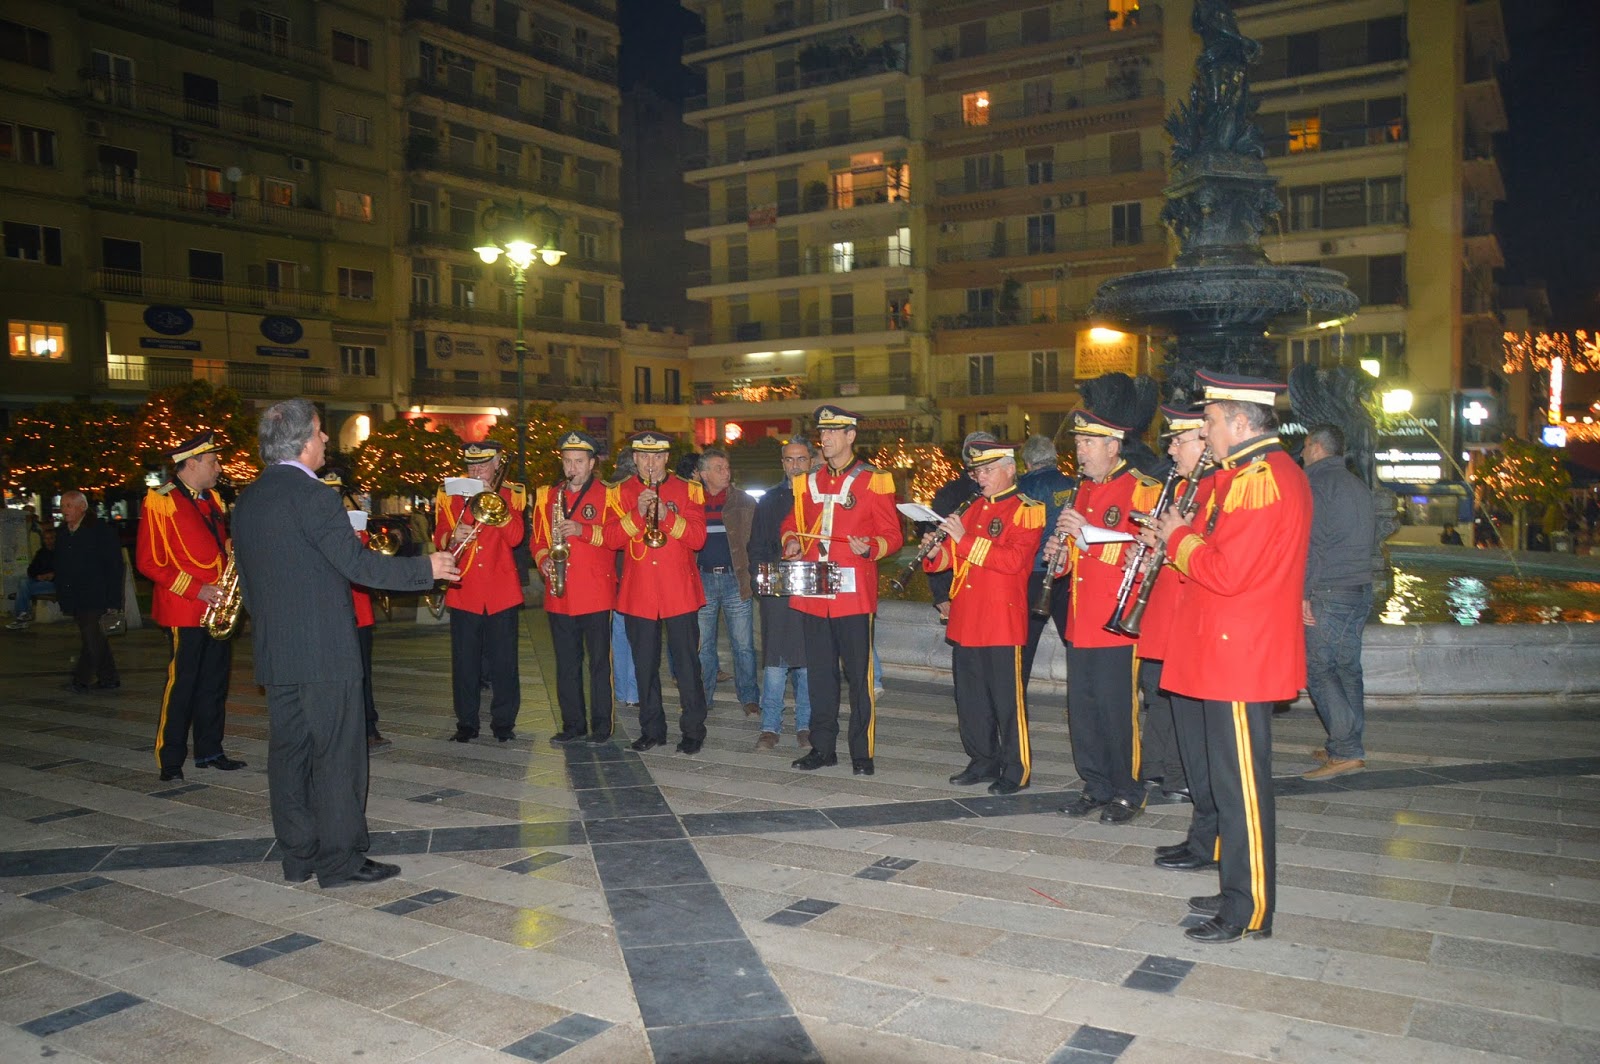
x: 575, y: 540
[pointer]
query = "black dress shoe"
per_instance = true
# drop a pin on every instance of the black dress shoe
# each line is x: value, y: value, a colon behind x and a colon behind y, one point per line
x: 1120, y: 811
x: 1185, y: 862
x: 1005, y: 786
x: 814, y: 759
x: 170, y: 774
x: 221, y: 762
x: 966, y: 778
x: 369, y: 872
x: 111, y: 685
x: 1206, y: 904
x: 75, y: 687
x: 599, y: 740
x: 463, y: 735
x: 1082, y: 805
x: 505, y: 736
x: 689, y: 746
x: 1216, y: 931
x: 1177, y: 794
x: 862, y: 766
x: 644, y: 742
x: 566, y: 735
x: 295, y: 877
x: 1173, y: 850
x: 376, y: 742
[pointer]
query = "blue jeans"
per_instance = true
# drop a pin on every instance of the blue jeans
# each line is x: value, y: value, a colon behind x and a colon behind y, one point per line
x: 1333, y: 666
x: 773, y: 680
x: 25, y: 592
x: 624, y: 682
x: 722, y: 592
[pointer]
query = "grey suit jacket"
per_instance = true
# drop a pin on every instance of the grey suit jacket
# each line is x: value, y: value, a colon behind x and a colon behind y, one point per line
x: 297, y: 558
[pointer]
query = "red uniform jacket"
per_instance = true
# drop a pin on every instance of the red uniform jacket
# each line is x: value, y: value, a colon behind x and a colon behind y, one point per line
x: 181, y: 549
x: 661, y: 581
x: 1097, y: 572
x: 1245, y: 558
x: 592, y: 565
x: 989, y: 597
x: 489, y: 579
x: 867, y: 511
x: 360, y: 597
x: 1162, y: 611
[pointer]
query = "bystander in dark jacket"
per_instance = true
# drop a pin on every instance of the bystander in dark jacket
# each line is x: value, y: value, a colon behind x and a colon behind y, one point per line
x: 89, y: 577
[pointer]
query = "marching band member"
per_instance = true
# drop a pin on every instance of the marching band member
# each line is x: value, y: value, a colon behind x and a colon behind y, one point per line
x: 663, y: 520
x: 579, y: 601
x: 844, y: 514
x: 182, y: 548
x: 990, y: 549
x: 1245, y: 558
x: 484, y: 603
x: 366, y: 619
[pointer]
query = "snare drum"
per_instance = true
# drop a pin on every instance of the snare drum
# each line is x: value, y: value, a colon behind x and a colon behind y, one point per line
x: 797, y: 578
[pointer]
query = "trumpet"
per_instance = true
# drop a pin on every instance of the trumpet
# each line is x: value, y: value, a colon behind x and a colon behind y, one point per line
x: 1052, y: 558
x: 902, y: 581
x: 488, y: 510
x: 1186, y: 499
x: 653, y: 536
x: 387, y: 544
x: 560, y: 550
x: 221, y: 617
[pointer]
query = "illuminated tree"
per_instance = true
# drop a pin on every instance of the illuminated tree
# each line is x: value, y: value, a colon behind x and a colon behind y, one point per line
x: 1579, y: 351
x: 406, y: 457
x: 57, y: 447
x: 545, y: 430
x: 1524, y: 478
x: 172, y: 415
x: 923, y: 467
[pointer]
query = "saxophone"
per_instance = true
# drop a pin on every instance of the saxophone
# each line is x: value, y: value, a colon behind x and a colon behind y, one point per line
x: 221, y: 618
x: 560, y: 551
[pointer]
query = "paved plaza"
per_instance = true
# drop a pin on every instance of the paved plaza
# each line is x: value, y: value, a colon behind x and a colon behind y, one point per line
x: 587, y: 905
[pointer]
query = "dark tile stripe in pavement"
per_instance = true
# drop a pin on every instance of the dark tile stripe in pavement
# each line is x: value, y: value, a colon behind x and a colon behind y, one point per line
x: 66, y: 1019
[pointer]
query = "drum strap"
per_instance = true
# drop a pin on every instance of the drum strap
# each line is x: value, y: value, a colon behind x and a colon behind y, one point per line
x: 827, y: 501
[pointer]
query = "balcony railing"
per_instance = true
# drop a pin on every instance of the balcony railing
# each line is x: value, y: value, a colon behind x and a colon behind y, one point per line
x: 1057, y: 172
x: 1326, y: 63
x: 1018, y: 247
x: 818, y: 260
x: 1346, y: 217
x: 652, y: 399
x: 757, y: 331
x: 147, y: 98
x: 843, y: 64
x: 1142, y: 89
x: 1287, y: 145
x: 598, y: 66
x: 187, y: 290
x: 591, y: 132
x: 950, y: 49
x: 1042, y: 384
x: 209, y: 206
x: 807, y: 138
x: 577, y: 391
x: 507, y: 319
x: 816, y: 15
x: 156, y: 11
x: 247, y: 378
x: 873, y: 195
x: 422, y: 153
x: 997, y: 318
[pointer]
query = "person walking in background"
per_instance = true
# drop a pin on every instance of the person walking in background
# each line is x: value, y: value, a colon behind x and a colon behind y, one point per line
x: 40, y: 580
x: 89, y: 575
x: 1044, y: 482
x: 782, y: 642
x: 724, y: 565
x: 1338, y: 600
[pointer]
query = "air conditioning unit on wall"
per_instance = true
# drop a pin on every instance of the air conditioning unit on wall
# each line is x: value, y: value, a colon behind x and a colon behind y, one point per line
x: 1330, y: 247
x: 95, y: 128
x: 299, y: 164
x: 182, y: 146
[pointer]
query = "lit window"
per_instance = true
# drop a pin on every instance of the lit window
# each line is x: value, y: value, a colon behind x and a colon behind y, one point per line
x: 844, y: 256
x: 356, y: 284
x: 278, y: 193
x: 356, y: 206
x: 975, y: 108
x: 41, y: 341
x: 1305, y: 132
x: 1122, y: 14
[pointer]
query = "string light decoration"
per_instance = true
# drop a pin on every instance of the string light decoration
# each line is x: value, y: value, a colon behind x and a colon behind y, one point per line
x: 403, y: 456
x: 170, y: 416
x: 545, y: 430
x: 1579, y: 351
x: 57, y: 447
x: 929, y: 466
x: 1522, y: 475
x: 776, y: 389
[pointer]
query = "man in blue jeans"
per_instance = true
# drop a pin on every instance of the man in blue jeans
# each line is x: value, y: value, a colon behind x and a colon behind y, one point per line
x: 1338, y: 600
x: 39, y: 581
x: 783, y: 657
x: 725, y: 576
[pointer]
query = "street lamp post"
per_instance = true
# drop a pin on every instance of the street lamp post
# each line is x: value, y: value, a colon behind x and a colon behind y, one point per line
x: 523, y: 237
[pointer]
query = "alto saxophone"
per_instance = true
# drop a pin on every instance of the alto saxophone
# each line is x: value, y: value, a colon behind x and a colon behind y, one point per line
x: 560, y: 551
x: 221, y: 618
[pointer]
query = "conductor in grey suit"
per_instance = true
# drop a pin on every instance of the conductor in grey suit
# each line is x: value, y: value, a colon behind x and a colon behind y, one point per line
x: 296, y: 560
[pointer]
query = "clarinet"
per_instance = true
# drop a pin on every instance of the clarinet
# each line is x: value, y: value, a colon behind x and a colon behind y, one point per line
x: 1136, y: 562
x: 903, y: 581
x: 1188, y: 498
x: 1041, y: 604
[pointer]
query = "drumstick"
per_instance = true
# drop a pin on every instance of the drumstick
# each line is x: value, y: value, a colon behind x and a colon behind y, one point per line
x: 831, y: 539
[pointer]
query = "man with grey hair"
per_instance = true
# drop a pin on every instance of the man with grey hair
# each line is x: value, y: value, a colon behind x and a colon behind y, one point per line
x: 782, y: 642
x: 1044, y: 483
x: 724, y: 566
x: 296, y: 560
x: 89, y: 576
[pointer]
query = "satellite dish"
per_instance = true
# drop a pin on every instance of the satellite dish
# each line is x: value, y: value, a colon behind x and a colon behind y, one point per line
x: 233, y: 173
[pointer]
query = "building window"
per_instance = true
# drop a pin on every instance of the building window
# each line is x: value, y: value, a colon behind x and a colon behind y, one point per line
x: 591, y: 302
x: 275, y: 28
x: 1046, y: 371
x: 1122, y: 14
x: 357, y: 284
x: 281, y: 276
x: 351, y: 128
x: 975, y: 108
x: 980, y: 374
x: 28, y: 144
x: 1305, y: 208
x: 33, y: 243
x: 275, y: 107
x: 276, y: 192
x: 672, y: 384
x: 352, y: 50
x: 1041, y: 166
x: 356, y: 206
x: 1305, y: 132
x: 843, y: 256
x: 358, y: 361
x: 1037, y: 97
x: 1041, y: 234
x: 24, y: 44
x: 124, y: 255
x: 1126, y: 226
x: 125, y: 367
x: 37, y: 341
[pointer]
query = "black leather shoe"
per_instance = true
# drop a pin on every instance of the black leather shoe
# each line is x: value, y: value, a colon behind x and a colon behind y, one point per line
x: 505, y: 736
x: 110, y: 686
x: 966, y: 778
x: 1120, y: 811
x: 1215, y: 931
x: 369, y: 872
x: 689, y: 746
x: 1005, y: 786
x: 1173, y: 850
x: 566, y: 735
x: 170, y: 774
x: 221, y: 762
x: 814, y: 759
x: 644, y: 742
x: 1206, y: 904
x: 301, y: 877
x: 599, y: 740
x: 1184, y: 862
x: 462, y: 735
x: 1177, y: 794
x: 862, y: 766
x: 1082, y: 805
x: 376, y: 742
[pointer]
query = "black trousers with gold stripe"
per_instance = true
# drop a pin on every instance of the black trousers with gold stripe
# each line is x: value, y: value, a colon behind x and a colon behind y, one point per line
x: 992, y: 711
x: 1102, y: 721
x: 195, y: 697
x: 834, y: 644
x: 1239, y: 750
x: 1189, y: 723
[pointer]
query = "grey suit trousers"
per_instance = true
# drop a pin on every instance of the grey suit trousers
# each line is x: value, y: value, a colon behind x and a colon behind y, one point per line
x: 317, y: 762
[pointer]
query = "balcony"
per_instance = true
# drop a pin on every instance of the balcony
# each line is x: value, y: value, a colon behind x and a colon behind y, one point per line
x: 1150, y: 235
x: 142, y: 14
x: 422, y: 153
x: 653, y: 399
x: 540, y: 388
x: 507, y: 319
x: 878, y: 193
x: 997, y: 318
x: 817, y: 15
x: 818, y: 262
x: 1004, y: 387
x: 1014, y: 110
x: 564, y: 391
x: 592, y: 132
x: 950, y: 51
x: 751, y: 332
x: 142, y: 97
x: 807, y: 138
x: 191, y: 290
x: 1346, y: 218
x: 205, y: 206
x: 1058, y: 172
x: 247, y: 378
x: 828, y: 65
x: 1297, y: 144
x: 1329, y: 62
x: 600, y: 67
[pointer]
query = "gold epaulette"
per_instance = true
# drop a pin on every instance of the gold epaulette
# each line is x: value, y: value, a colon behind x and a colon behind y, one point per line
x: 881, y: 482
x: 1029, y: 515
x: 519, y: 495
x: 697, y: 492
x: 1255, y: 487
x: 159, y: 501
x: 1145, y: 490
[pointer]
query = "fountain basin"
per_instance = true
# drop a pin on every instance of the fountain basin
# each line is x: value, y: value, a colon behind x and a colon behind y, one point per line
x: 1187, y: 299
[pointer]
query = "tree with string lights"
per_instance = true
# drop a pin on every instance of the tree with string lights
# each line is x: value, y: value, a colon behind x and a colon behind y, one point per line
x: 924, y: 467
x: 57, y: 447
x: 172, y: 415
x: 405, y: 457
x: 1524, y: 478
x: 545, y: 431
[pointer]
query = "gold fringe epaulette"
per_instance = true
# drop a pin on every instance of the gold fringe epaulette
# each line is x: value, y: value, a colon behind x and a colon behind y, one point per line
x: 1029, y: 515
x: 882, y: 483
x: 1254, y: 488
x: 519, y: 495
x: 1145, y: 491
x: 159, y: 501
x: 697, y: 493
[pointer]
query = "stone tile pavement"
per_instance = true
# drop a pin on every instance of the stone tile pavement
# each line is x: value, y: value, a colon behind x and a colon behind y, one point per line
x: 602, y: 906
